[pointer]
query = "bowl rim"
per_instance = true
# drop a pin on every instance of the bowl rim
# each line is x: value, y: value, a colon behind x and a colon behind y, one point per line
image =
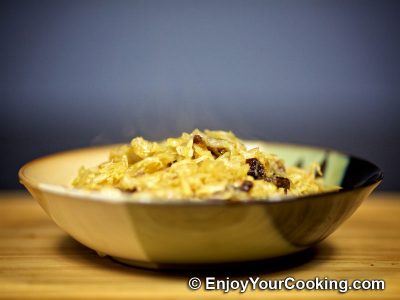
x: 98, y: 196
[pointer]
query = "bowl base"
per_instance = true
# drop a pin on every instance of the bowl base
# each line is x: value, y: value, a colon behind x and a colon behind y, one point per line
x: 267, y: 264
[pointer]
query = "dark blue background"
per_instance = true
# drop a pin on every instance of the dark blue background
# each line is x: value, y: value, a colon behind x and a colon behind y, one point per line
x: 323, y: 73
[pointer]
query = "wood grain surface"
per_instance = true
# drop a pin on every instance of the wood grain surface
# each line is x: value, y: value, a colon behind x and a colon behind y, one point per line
x: 39, y: 261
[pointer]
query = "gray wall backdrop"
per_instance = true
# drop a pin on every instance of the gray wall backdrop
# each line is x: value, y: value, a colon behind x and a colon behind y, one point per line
x: 324, y: 73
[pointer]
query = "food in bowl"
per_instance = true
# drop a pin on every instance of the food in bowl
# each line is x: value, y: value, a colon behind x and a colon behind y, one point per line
x: 190, y: 234
x: 199, y: 165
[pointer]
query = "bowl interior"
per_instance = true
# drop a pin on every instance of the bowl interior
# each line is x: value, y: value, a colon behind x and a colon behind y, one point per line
x: 61, y: 168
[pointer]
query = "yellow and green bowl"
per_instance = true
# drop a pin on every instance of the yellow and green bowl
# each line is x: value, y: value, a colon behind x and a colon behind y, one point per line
x: 176, y: 233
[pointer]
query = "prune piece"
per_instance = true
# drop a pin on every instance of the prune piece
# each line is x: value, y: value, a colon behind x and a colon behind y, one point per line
x: 246, y: 186
x: 217, y: 152
x: 129, y: 190
x: 171, y: 163
x: 198, y: 140
x: 256, y: 168
x: 282, y: 182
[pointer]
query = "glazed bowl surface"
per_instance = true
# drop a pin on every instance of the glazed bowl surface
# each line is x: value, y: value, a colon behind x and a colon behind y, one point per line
x: 176, y: 233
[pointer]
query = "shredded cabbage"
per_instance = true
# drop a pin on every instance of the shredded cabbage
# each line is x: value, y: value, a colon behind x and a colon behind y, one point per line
x: 199, y: 165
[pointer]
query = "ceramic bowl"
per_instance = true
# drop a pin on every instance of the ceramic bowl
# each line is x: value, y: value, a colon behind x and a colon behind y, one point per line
x: 177, y: 233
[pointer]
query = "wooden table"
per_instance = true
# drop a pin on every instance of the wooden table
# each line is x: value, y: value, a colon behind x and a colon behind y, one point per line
x: 39, y: 261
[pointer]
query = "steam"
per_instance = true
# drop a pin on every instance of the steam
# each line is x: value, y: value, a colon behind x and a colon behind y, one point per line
x: 158, y: 118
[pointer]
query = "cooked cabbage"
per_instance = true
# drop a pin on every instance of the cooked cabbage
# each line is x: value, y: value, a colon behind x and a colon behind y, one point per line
x: 197, y: 166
